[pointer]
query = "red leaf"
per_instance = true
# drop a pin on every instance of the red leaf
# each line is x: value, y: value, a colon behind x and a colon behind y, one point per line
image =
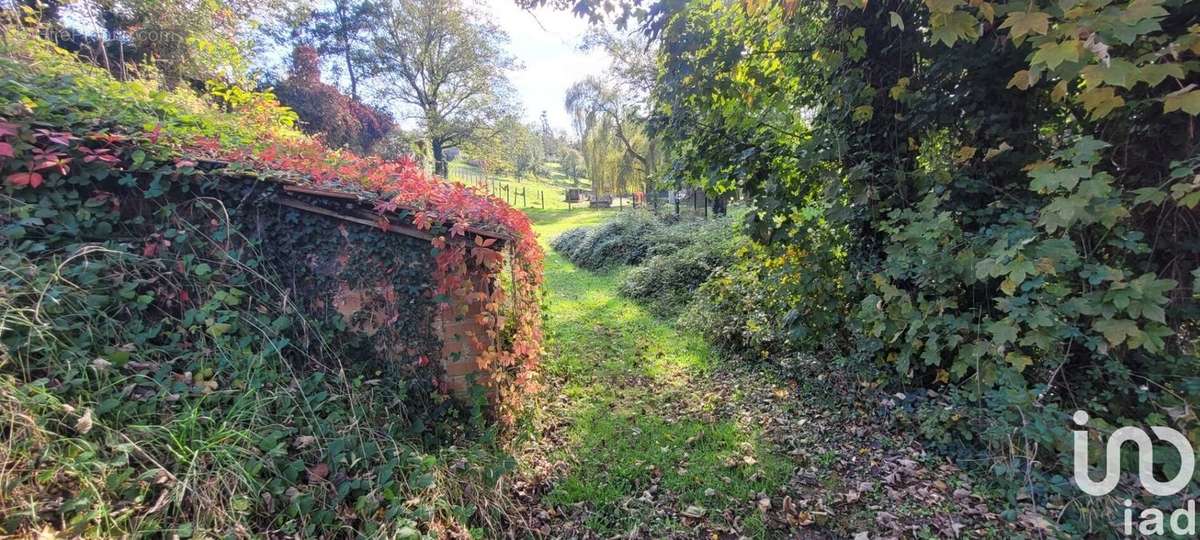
x: 6, y: 149
x: 30, y: 179
x: 317, y: 472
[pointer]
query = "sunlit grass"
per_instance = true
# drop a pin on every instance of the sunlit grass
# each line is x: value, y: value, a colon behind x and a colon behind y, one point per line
x: 639, y: 415
x: 551, y: 186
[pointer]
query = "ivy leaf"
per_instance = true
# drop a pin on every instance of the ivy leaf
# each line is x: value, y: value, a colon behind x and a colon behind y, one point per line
x: 1116, y: 331
x: 1103, y: 100
x: 1053, y: 54
x: 1024, y: 23
x: 1186, y: 100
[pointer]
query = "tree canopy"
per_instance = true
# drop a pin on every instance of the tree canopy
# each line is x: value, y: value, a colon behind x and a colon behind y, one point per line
x: 447, y: 64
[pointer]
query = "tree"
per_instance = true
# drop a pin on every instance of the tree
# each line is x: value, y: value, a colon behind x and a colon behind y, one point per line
x: 549, y: 141
x: 572, y: 164
x: 446, y: 64
x: 182, y: 39
x: 340, y: 30
x: 613, y: 142
x: 342, y: 120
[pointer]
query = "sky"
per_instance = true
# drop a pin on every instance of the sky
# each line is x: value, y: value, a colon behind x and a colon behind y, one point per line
x: 546, y: 43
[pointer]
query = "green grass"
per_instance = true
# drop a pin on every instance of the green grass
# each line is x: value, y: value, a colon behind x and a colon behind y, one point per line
x: 552, y: 186
x: 639, y: 412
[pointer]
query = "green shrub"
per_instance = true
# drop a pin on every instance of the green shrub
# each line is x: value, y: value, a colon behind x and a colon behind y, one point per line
x: 625, y: 239
x: 738, y: 312
x: 683, y: 256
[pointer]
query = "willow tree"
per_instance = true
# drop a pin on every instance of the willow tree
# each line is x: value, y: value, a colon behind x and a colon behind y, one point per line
x: 616, y: 151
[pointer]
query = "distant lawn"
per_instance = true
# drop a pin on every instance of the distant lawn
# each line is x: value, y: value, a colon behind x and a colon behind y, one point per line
x: 552, y: 187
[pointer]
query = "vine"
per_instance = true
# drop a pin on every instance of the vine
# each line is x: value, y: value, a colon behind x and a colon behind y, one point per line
x: 469, y: 228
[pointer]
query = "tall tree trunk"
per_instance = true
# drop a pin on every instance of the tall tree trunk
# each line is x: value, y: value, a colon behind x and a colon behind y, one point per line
x: 440, y: 167
x: 347, y: 50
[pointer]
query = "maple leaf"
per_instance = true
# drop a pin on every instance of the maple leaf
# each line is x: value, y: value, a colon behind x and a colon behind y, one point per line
x: 1186, y: 100
x: 1023, y: 23
x: 1054, y: 54
x: 948, y: 28
x: 1101, y: 101
x: 1023, y: 79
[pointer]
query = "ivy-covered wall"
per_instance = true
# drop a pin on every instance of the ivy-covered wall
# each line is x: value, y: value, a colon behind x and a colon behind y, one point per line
x: 377, y: 282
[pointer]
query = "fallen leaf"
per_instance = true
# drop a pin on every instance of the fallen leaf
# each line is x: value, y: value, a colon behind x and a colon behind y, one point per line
x: 694, y: 511
x: 318, y: 472
x: 84, y: 423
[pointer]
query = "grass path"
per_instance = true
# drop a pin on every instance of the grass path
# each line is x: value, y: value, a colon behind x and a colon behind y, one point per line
x: 632, y: 430
x: 640, y: 432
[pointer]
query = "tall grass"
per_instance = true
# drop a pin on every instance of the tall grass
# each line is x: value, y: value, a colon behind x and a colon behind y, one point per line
x: 126, y: 410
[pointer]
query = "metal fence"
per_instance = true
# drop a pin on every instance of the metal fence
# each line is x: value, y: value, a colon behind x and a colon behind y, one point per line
x: 686, y: 203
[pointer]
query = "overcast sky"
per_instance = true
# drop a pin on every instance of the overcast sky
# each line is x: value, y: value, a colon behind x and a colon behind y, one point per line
x: 546, y: 43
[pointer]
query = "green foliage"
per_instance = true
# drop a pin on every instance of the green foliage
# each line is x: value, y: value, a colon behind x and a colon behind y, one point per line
x: 171, y: 362
x: 667, y: 281
x: 993, y: 201
x: 625, y: 239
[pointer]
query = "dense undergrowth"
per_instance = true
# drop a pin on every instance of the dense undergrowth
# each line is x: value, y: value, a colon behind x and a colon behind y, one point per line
x: 993, y: 200
x: 157, y: 375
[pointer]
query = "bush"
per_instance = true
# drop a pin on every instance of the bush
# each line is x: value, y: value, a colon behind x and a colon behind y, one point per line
x: 339, y: 119
x: 682, y: 258
x: 739, y: 313
x: 625, y: 239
